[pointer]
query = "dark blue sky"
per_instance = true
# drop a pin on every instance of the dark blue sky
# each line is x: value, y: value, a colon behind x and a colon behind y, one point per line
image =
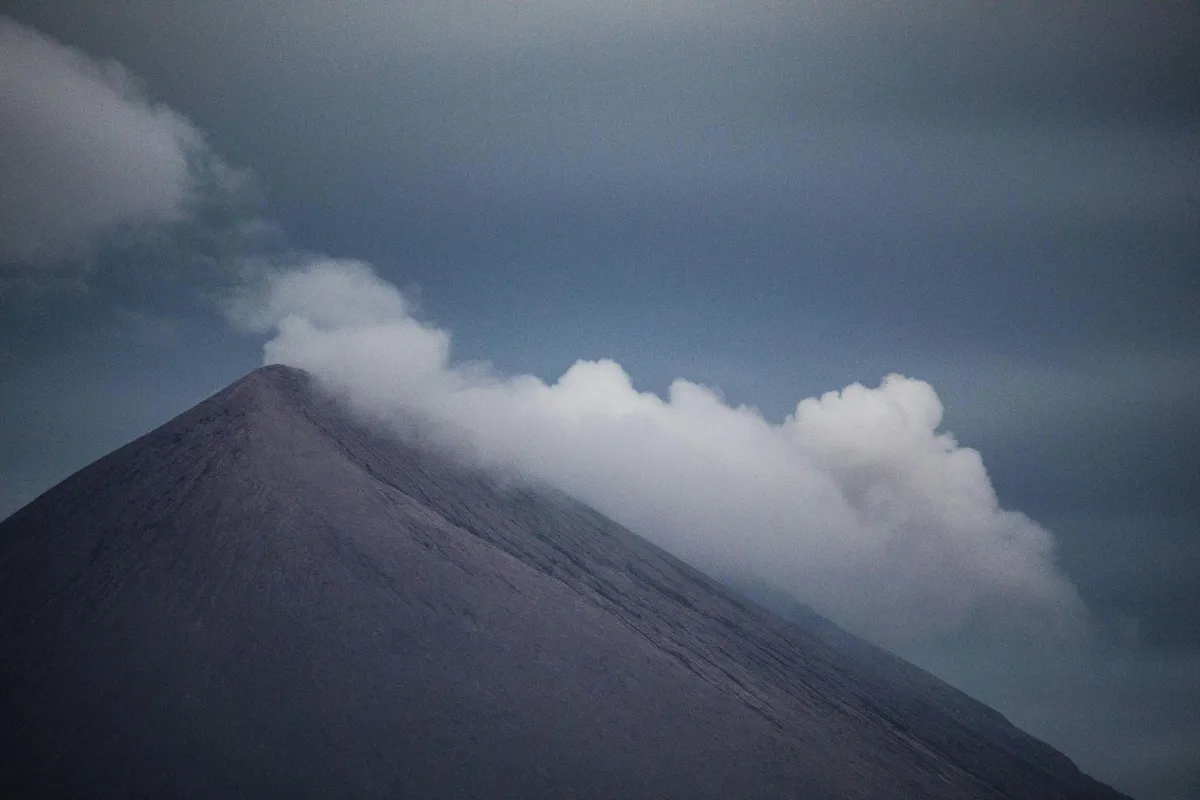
x: 774, y: 199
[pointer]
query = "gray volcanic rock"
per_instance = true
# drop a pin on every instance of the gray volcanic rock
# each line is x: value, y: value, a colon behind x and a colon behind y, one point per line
x: 263, y: 598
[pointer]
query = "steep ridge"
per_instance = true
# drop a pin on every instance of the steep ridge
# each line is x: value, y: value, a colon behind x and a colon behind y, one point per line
x: 265, y: 597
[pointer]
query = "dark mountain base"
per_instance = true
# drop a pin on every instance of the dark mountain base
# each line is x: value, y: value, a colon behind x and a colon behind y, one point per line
x: 263, y: 598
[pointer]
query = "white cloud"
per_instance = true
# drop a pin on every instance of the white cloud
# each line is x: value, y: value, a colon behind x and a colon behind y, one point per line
x: 855, y: 503
x: 82, y: 150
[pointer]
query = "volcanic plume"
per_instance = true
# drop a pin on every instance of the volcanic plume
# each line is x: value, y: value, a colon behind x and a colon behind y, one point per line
x: 266, y: 597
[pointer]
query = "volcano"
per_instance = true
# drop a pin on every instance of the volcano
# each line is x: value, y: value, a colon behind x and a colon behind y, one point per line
x: 267, y: 598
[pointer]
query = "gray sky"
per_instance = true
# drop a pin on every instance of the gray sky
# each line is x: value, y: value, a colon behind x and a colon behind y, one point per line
x: 774, y: 200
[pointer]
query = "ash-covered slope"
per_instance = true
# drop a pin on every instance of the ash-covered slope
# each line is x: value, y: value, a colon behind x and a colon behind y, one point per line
x: 263, y: 598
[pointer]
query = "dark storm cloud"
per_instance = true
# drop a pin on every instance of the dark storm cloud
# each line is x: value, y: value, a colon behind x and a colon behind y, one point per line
x: 1018, y: 173
x: 924, y: 55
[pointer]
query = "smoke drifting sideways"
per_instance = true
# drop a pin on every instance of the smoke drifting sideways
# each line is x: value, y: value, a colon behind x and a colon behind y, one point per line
x: 854, y: 504
x: 84, y: 151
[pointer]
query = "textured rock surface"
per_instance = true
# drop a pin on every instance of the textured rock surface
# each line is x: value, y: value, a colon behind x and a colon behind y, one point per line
x: 263, y: 598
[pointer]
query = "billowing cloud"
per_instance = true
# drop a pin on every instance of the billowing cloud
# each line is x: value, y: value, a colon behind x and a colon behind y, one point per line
x: 855, y: 503
x: 81, y: 150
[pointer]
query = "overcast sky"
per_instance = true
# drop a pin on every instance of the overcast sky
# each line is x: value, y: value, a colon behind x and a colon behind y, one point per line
x: 670, y: 229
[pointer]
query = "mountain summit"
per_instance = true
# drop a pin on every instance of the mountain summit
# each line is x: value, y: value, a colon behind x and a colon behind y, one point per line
x: 265, y: 598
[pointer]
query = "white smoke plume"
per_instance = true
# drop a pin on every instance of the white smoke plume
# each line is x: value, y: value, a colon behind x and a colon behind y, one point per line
x: 855, y: 503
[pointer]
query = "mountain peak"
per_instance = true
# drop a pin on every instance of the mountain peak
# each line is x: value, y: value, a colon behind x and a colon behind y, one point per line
x: 276, y: 380
x: 276, y: 375
x: 265, y: 597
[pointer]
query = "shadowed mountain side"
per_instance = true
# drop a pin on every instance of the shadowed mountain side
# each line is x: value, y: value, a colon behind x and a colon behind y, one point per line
x: 265, y: 598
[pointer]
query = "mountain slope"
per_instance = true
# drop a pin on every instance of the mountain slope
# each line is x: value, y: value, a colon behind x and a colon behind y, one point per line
x: 263, y: 597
